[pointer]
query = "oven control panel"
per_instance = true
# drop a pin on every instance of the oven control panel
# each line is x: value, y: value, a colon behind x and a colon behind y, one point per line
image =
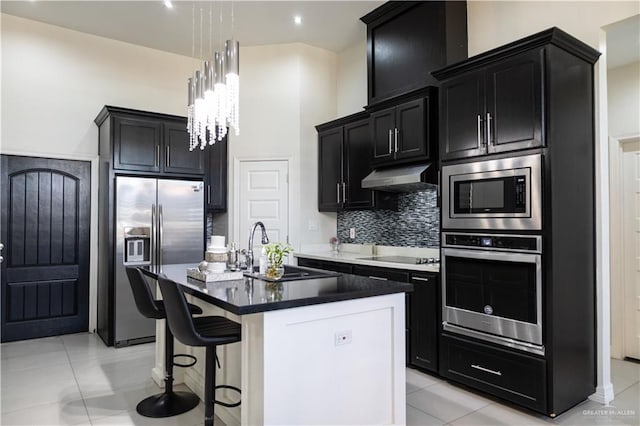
x: 505, y: 242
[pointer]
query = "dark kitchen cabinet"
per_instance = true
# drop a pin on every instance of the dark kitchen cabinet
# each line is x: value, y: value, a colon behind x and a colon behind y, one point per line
x: 136, y: 143
x: 424, y: 305
x: 215, y: 178
x: 147, y: 142
x: 344, y: 154
x: 405, y: 129
x: 177, y: 157
x: 399, y: 132
x: 537, y: 93
x: 517, y: 377
x: 493, y: 109
x: 408, y: 40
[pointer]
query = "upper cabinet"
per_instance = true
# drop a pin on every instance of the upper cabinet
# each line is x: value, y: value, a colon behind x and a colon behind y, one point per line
x: 139, y: 141
x: 504, y: 99
x: 344, y: 156
x: 405, y: 129
x: 407, y: 40
x: 492, y: 109
x: 215, y: 178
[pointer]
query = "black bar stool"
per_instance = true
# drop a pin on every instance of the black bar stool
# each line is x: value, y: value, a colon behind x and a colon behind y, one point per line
x: 210, y: 331
x: 167, y: 403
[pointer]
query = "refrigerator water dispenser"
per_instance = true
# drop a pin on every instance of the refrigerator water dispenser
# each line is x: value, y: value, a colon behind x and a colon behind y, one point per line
x: 137, y: 245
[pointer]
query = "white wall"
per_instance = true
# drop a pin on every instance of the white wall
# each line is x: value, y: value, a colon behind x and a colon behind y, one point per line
x: 352, y: 77
x: 493, y: 23
x: 55, y: 81
x: 624, y: 100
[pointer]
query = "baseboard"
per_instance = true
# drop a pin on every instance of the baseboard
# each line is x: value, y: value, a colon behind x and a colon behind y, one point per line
x: 604, y: 394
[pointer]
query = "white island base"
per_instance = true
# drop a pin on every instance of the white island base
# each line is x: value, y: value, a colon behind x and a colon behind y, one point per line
x: 337, y: 363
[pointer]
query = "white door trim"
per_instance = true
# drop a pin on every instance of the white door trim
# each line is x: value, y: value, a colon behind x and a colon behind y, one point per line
x: 616, y: 147
x: 235, y: 220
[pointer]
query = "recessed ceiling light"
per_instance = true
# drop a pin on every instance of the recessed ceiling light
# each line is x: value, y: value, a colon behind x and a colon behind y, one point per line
x: 168, y: 4
x: 297, y: 20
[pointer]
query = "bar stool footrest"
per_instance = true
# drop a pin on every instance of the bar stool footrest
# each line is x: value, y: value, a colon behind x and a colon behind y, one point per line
x: 191, y: 357
x: 226, y: 404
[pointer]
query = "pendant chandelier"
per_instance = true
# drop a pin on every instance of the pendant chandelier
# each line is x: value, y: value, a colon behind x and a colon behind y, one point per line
x: 213, y: 91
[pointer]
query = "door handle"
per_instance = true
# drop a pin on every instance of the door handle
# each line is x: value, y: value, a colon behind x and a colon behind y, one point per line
x: 480, y: 142
x: 208, y: 194
x: 489, y: 129
x: 160, y: 231
x: 420, y: 279
x: 157, y: 156
x: 344, y: 193
x: 154, y: 242
x: 338, y: 192
x: 166, y: 160
x: 396, y: 132
x: 389, y: 141
x: 1, y: 248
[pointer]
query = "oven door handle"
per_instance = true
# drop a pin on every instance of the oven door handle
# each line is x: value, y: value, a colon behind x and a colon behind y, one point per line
x: 503, y: 256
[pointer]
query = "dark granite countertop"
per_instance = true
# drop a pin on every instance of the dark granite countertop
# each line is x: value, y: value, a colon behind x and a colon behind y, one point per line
x: 252, y: 295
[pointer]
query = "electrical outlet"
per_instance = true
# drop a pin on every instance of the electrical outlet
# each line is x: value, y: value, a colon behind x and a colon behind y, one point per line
x: 352, y: 232
x: 343, y: 337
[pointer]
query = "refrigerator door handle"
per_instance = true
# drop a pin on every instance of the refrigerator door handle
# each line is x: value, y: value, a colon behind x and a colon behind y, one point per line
x: 154, y: 243
x: 160, y: 226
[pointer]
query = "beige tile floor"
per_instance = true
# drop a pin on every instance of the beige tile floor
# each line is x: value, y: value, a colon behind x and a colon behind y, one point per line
x: 77, y: 380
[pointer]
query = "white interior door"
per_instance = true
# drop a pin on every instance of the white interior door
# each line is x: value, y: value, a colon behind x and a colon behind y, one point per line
x: 263, y: 196
x: 631, y: 250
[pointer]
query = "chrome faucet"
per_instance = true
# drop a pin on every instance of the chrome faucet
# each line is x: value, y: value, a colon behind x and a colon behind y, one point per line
x: 265, y: 240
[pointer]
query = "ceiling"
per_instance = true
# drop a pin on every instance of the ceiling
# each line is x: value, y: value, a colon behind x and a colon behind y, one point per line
x: 329, y: 24
x: 332, y: 25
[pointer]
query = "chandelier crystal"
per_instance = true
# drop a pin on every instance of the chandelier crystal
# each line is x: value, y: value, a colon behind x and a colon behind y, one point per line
x: 213, y: 96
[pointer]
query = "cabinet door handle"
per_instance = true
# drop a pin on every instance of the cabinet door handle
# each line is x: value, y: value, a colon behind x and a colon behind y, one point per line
x: 488, y: 129
x: 486, y: 370
x: 338, y: 192
x: 166, y: 160
x: 344, y: 193
x: 480, y: 141
x: 208, y: 194
x: 157, y: 156
x: 389, y: 141
x: 378, y: 278
x: 396, y: 132
x: 420, y: 279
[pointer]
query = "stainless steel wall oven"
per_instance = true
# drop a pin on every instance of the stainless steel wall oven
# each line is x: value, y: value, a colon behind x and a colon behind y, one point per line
x: 492, y: 288
x: 495, y: 194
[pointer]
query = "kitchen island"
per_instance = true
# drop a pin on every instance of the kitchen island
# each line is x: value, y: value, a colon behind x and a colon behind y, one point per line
x: 316, y: 351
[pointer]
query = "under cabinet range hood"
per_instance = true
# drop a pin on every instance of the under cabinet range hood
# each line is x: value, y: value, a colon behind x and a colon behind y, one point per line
x: 414, y: 177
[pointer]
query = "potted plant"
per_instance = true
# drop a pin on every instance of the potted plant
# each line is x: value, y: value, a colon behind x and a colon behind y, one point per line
x: 275, y: 256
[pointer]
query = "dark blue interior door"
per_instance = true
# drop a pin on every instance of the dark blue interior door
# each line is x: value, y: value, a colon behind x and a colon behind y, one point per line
x: 45, y: 230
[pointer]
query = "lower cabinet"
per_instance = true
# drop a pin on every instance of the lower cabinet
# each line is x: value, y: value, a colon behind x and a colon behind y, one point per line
x: 422, y: 307
x: 514, y: 376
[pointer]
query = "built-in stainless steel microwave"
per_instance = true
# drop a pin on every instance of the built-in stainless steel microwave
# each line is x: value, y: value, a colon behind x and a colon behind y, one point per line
x: 494, y: 194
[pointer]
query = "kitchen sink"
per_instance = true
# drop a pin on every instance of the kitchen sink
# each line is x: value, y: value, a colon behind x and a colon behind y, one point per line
x: 293, y: 273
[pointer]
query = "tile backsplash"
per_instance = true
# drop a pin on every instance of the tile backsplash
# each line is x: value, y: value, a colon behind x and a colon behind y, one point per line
x: 416, y: 222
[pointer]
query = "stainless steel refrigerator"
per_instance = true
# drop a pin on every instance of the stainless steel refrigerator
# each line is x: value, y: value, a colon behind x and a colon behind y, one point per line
x: 158, y: 221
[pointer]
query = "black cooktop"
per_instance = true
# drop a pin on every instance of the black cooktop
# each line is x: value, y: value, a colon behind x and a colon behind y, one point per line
x: 403, y: 259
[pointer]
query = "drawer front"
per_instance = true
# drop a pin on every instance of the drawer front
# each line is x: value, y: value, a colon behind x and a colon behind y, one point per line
x: 381, y: 273
x: 344, y: 268
x: 514, y: 376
